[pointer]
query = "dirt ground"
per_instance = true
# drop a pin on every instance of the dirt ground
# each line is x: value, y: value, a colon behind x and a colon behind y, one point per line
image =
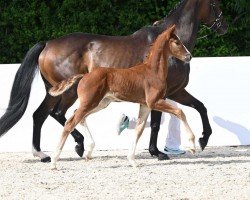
x: 216, y: 173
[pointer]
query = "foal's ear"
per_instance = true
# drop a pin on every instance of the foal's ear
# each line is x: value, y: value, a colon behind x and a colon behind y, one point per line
x: 172, y: 29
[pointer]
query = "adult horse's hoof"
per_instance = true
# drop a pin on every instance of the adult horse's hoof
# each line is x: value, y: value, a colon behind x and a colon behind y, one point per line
x: 157, y: 153
x: 154, y: 152
x: 46, y: 159
x: 202, y: 143
x: 79, y: 150
x: 163, y: 156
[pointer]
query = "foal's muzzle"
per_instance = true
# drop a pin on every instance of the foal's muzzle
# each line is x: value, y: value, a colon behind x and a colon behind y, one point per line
x: 187, y: 57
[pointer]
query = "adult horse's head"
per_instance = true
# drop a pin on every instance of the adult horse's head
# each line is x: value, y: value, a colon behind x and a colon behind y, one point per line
x: 211, y: 16
x: 176, y: 48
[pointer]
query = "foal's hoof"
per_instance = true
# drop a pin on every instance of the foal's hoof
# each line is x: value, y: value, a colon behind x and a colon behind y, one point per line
x: 46, y: 159
x: 202, y: 143
x: 163, y: 156
x: 192, y: 151
x: 79, y: 150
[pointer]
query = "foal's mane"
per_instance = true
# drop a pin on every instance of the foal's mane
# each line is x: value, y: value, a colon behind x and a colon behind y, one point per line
x: 156, y: 49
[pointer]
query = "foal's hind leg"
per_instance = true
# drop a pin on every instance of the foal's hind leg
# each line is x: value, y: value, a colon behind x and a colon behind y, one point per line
x: 67, y: 100
x: 69, y: 126
x: 90, y: 143
x: 140, y: 125
x: 164, y: 106
x: 39, y: 116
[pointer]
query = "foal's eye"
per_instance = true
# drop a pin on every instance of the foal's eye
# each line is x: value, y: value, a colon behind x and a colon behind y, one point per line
x: 177, y: 42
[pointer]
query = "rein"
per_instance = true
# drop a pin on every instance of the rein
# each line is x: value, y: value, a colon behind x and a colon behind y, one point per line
x: 216, y: 24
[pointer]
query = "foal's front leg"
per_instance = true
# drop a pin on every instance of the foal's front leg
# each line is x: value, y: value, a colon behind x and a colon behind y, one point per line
x: 164, y: 106
x: 140, y: 125
x: 187, y: 99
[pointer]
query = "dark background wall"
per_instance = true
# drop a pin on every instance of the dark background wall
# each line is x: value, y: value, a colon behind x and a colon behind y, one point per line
x: 24, y: 23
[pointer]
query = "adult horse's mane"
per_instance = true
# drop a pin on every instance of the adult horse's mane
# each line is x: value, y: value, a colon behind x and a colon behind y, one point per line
x: 164, y: 19
x: 175, y: 8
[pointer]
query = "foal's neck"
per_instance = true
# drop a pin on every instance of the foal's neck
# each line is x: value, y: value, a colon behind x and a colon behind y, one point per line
x: 157, y: 58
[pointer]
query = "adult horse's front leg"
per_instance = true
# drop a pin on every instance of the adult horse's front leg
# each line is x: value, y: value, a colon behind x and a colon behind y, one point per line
x: 184, y: 98
x: 39, y: 116
x: 155, y: 127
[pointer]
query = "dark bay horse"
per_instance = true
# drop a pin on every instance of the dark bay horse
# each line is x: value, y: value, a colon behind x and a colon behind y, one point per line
x: 79, y: 53
x: 145, y: 84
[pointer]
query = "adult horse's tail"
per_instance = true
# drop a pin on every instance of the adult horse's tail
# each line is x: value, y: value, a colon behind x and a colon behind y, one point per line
x: 21, y: 88
x: 64, y: 85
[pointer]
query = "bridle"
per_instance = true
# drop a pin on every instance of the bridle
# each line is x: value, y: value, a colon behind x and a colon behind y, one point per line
x: 217, y: 22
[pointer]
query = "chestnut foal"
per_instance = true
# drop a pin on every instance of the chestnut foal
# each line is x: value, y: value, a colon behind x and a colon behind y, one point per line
x: 144, y: 84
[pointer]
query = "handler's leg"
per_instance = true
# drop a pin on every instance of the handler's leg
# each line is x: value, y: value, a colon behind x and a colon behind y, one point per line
x: 173, y: 140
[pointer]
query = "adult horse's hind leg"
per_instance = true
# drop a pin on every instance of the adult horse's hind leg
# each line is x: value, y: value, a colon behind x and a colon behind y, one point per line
x: 39, y: 116
x: 155, y: 127
x: 140, y: 125
x: 187, y: 99
x: 58, y: 113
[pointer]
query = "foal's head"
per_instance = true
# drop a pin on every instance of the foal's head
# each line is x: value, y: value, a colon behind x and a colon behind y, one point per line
x: 175, y: 47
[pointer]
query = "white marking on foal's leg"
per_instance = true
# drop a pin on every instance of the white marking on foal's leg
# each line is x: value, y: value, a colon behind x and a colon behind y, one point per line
x: 89, y: 140
x: 55, y: 158
x: 190, y: 133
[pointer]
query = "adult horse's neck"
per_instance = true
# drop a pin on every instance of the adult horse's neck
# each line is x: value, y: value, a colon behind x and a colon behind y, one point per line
x: 186, y: 18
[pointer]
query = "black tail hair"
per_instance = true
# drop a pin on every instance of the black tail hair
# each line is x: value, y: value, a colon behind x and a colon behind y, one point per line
x: 21, y: 88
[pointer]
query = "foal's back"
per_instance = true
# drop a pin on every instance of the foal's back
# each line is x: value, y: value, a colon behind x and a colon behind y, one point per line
x: 117, y: 84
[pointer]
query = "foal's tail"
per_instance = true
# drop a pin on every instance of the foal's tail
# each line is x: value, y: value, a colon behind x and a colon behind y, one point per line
x: 21, y: 87
x: 64, y: 85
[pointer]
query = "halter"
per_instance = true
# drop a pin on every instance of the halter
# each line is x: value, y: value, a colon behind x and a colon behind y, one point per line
x: 217, y: 22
